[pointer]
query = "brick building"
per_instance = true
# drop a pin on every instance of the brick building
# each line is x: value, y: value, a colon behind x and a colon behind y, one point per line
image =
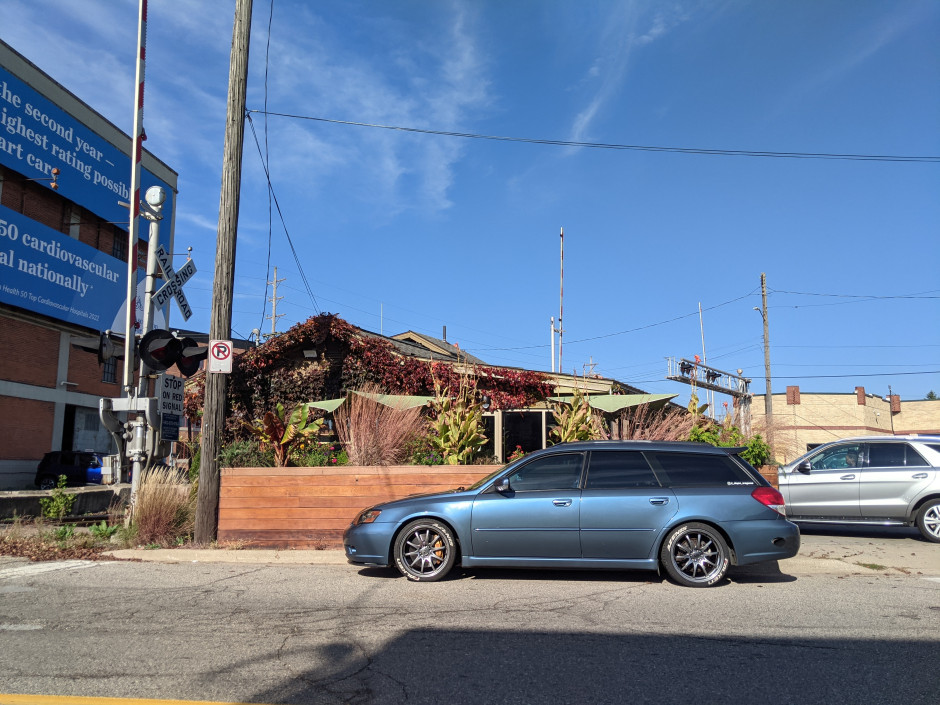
x: 63, y: 264
x: 803, y: 420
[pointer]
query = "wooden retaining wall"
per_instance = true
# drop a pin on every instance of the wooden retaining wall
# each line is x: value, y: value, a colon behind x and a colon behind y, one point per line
x: 311, y: 507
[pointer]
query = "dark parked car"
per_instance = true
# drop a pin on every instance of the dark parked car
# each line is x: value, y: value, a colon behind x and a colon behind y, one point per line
x: 688, y: 507
x: 79, y: 467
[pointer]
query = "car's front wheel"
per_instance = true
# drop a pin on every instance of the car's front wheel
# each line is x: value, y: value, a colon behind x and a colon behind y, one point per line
x: 928, y: 520
x: 695, y: 555
x: 425, y: 550
x: 47, y: 482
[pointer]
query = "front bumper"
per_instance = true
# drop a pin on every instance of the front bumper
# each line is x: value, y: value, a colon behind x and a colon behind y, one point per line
x: 368, y: 544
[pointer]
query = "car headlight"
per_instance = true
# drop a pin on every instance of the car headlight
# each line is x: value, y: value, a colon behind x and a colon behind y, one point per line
x: 367, y: 516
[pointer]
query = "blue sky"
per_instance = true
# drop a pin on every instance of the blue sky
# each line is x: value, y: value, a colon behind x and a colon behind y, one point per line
x: 397, y: 231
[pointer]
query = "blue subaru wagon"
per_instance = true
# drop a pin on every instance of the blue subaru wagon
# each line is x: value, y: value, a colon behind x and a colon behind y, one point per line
x: 688, y: 507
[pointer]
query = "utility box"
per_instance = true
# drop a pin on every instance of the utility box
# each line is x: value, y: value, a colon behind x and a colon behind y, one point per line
x: 110, y: 469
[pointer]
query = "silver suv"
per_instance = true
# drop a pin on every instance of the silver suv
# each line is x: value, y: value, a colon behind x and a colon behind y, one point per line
x: 885, y: 480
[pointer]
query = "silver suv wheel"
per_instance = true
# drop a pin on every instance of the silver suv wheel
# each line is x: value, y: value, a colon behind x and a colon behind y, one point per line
x: 928, y: 520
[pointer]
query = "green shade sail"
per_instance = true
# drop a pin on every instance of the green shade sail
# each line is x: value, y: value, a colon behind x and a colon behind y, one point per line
x: 611, y: 403
x: 327, y: 404
x: 396, y: 401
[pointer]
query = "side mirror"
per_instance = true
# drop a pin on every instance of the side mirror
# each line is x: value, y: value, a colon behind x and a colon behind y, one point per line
x: 502, y: 485
x: 805, y: 467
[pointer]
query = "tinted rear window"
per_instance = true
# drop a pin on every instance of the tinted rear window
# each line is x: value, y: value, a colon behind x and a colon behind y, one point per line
x: 619, y: 469
x: 886, y: 455
x: 699, y: 470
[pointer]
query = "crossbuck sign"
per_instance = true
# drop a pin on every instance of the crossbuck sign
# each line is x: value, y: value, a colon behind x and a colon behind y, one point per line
x: 174, y: 282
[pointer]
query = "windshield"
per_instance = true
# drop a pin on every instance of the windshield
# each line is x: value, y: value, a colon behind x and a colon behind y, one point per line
x: 482, y: 481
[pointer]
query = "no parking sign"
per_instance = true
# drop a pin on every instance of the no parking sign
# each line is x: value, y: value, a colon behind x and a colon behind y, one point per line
x: 220, y: 356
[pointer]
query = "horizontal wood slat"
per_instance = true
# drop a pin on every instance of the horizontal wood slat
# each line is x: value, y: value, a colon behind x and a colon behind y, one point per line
x: 354, y: 502
x: 311, y: 507
x: 349, y: 490
x: 426, y: 470
x: 379, y: 480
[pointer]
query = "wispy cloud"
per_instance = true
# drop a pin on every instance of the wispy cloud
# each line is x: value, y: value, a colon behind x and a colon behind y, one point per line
x: 629, y: 27
x: 437, y: 79
x: 858, y: 47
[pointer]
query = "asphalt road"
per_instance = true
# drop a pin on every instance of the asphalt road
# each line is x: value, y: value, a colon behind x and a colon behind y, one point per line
x: 854, y: 619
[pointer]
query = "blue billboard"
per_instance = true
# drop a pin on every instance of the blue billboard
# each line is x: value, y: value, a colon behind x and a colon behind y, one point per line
x: 37, y: 136
x: 48, y: 272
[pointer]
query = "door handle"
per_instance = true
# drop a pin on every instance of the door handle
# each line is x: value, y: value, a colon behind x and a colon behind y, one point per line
x: 659, y: 500
x: 561, y: 502
x: 920, y: 476
x: 847, y: 477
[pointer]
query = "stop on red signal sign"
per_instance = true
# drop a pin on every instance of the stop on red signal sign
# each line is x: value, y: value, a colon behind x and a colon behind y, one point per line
x: 220, y: 356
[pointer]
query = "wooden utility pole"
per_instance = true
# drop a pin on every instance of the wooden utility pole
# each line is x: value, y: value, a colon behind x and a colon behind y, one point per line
x: 768, y: 394
x: 220, y: 325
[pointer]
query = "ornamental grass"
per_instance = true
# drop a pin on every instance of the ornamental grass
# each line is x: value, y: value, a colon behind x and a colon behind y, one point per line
x: 375, y: 434
x: 164, y: 508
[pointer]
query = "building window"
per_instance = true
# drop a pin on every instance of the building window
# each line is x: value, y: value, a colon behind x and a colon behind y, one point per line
x: 109, y: 371
x: 119, y: 248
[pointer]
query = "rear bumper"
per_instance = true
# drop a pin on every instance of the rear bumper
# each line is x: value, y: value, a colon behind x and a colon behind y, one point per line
x: 771, y: 540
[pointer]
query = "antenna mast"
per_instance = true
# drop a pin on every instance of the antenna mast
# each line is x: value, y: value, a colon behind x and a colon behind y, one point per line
x: 274, y: 299
x: 561, y: 300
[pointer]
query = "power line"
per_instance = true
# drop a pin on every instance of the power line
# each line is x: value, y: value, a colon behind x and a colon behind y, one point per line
x: 630, y: 147
x: 918, y: 295
x: 634, y: 330
x: 280, y: 214
x: 872, y: 374
x: 854, y: 347
x: 267, y: 158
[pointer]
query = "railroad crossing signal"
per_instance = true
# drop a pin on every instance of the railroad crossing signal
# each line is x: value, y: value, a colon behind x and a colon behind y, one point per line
x: 160, y: 350
x: 174, y: 282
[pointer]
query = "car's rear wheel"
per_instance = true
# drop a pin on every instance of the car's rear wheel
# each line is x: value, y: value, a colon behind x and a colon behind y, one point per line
x: 425, y: 550
x: 695, y: 555
x: 928, y: 520
x: 47, y: 482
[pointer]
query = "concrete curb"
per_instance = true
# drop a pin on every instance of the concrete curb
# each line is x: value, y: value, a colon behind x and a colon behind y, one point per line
x: 799, y: 565
x: 210, y: 555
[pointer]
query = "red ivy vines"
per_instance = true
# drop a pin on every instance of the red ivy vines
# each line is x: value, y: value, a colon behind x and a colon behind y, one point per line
x: 278, y: 371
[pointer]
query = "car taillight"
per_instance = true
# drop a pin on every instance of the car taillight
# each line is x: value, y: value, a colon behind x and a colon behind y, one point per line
x: 770, y: 497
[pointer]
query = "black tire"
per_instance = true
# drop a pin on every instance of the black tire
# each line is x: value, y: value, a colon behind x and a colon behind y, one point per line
x: 425, y: 550
x: 695, y: 555
x: 928, y: 520
x: 47, y: 482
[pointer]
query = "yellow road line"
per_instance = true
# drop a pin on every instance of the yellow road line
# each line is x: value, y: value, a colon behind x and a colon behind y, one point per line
x: 10, y: 699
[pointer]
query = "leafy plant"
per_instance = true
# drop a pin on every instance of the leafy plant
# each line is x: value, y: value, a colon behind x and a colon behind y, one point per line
x: 311, y: 454
x: 280, y: 430
x: 245, y: 454
x: 758, y: 452
x: 575, y: 421
x: 457, y: 426
x: 59, y: 503
x: 103, y: 531
x: 516, y: 454
x: 64, y: 533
